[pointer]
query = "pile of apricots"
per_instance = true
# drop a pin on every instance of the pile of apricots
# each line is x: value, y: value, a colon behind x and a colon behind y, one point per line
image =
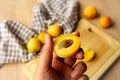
x: 66, y: 45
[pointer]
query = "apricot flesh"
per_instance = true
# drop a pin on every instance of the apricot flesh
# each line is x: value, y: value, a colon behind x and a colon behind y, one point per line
x: 88, y: 54
x: 66, y: 45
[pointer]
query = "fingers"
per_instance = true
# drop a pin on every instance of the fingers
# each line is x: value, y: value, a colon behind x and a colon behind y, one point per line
x: 76, y: 33
x: 71, y: 60
x: 47, y: 54
x: 78, y: 70
x: 79, y: 54
x: 84, y: 77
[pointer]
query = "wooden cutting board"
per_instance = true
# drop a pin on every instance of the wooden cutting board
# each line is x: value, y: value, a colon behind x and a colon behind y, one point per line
x: 106, y: 49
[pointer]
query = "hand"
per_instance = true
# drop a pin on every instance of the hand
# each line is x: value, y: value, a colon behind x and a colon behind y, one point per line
x: 52, y: 67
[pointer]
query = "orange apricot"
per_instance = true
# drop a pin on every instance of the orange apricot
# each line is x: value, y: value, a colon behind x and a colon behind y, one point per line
x: 105, y: 21
x: 90, y: 12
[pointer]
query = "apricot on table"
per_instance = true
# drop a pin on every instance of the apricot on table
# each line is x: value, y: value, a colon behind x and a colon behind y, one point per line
x: 33, y: 45
x: 105, y: 21
x: 54, y: 30
x: 66, y: 45
x: 41, y: 37
x: 88, y: 54
x: 90, y: 12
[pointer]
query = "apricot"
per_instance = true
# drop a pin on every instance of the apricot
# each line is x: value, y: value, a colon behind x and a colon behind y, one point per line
x: 88, y: 54
x: 105, y: 21
x: 41, y: 37
x: 90, y: 12
x: 66, y: 45
x: 33, y: 45
x: 54, y: 30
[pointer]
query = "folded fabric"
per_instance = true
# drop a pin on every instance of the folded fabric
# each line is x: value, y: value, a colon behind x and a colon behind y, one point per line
x: 14, y: 35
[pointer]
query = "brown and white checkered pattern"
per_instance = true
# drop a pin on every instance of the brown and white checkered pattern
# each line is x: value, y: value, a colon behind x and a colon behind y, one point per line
x: 14, y: 35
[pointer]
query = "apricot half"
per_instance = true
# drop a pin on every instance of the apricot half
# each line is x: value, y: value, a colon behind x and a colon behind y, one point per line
x: 66, y: 45
x: 88, y: 54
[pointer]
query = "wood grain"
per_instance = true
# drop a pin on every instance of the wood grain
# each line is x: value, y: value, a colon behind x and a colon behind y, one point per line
x: 21, y: 10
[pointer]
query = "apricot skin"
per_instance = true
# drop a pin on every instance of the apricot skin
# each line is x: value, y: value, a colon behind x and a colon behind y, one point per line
x: 90, y: 12
x: 54, y: 30
x: 41, y: 37
x: 33, y: 45
x: 105, y: 21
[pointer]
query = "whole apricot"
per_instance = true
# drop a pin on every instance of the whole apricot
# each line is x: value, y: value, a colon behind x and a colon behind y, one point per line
x: 41, y: 37
x: 66, y: 45
x: 105, y: 21
x: 54, y: 30
x: 33, y: 45
x: 90, y: 12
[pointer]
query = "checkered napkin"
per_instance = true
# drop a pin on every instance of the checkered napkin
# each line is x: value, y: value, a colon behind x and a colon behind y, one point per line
x: 14, y: 35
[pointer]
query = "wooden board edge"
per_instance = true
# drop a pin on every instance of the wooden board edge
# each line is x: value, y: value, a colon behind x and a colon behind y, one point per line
x: 101, y: 33
x: 27, y: 71
x: 107, y: 64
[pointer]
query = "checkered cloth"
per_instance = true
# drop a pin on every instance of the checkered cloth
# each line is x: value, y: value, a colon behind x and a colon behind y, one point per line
x: 14, y: 35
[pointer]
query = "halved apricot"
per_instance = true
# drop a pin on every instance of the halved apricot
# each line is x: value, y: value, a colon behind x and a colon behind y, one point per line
x: 88, y: 54
x: 66, y: 45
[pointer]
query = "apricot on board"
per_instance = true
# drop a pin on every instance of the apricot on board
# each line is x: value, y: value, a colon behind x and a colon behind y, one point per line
x: 33, y: 45
x: 66, y: 45
x: 88, y: 54
x: 54, y: 30
x: 41, y: 37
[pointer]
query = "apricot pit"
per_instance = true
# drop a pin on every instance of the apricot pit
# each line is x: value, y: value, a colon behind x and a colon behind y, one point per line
x: 66, y: 45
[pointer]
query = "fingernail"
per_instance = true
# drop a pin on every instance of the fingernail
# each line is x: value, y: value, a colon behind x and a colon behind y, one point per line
x: 80, y: 55
x: 75, y: 74
x: 47, y: 38
x: 84, y: 77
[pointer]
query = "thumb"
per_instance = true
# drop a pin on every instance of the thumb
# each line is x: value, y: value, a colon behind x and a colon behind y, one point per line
x: 47, y: 54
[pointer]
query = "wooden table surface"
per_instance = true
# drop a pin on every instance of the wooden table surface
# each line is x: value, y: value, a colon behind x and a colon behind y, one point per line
x: 21, y: 10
